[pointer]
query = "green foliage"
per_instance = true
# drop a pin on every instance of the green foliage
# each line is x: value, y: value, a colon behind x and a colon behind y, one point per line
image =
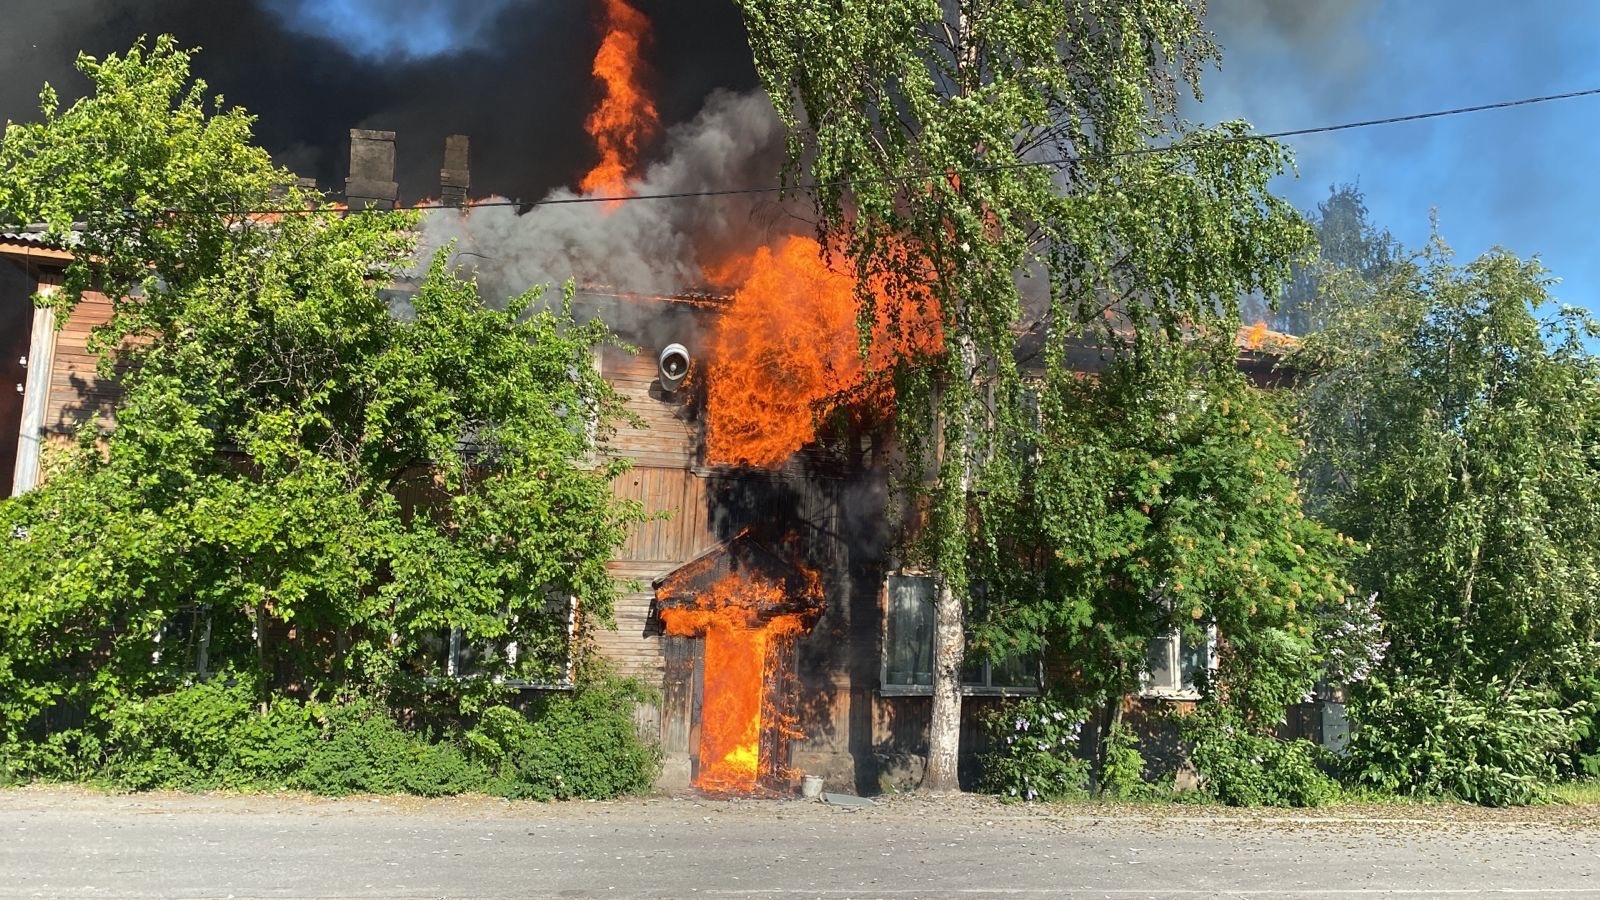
x: 913, y: 119
x: 534, y: 758
x: 1583, y: 706
x: 1165, y: 498
x: 1122, y: 766
x: 1454, y: 419
x: 1353, y: 255
x: 1489, y: 745
x: 71, y: 754
x: 1241, y: 767
x: 184, y: 739
x: 214, y: 735
x: 160, y: 175
x: 311, y: 482
x: 1033, y: 751
x: 1453, y: 431
x: 365, y: 751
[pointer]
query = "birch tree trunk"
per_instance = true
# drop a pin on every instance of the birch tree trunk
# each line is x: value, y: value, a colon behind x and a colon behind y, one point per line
x: 949, y: 608
x: 944, y: 726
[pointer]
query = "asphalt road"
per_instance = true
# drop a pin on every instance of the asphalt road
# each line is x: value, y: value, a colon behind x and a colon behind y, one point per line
x: 68, y: 843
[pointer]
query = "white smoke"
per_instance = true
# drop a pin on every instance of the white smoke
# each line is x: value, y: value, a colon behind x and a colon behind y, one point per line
x: 656, y: 246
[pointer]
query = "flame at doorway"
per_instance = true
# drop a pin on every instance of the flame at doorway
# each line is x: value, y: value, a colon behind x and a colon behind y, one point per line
x: 746, y: 642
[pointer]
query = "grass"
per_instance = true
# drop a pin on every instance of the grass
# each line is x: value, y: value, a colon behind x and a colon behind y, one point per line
x: 1578, y: 793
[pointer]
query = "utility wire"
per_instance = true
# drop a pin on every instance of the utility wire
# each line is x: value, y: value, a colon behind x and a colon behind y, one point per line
x: 1023, y: 164
x: 1057, y: 161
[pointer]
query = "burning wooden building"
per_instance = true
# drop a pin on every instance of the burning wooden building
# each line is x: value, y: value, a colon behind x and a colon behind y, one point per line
x: 766, y: 599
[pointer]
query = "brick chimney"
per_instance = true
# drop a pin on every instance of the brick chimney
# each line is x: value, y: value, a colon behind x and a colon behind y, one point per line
x: 455, y: 179
x: 371, y: 184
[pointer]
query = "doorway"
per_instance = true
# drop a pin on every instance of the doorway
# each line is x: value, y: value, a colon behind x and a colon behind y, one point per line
x: 16, y: 333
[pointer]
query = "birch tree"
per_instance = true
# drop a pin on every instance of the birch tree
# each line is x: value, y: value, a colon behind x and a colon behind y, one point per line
x: 1024, y: 164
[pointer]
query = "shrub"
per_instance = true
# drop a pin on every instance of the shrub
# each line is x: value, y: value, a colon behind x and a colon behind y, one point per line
x: 1243, y: 768
x: 270, y: 748
x: 72, y: 755
x: 582, y: 744
x: 365, y: 751
x: 1489, y: 746
x: 184, y: 739
x: 1122, y: 771
x: 1033, y: 751
x: 1584, y: 714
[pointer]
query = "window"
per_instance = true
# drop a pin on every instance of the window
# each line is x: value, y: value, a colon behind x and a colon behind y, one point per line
x: 1014, y: 674
x: 1175, y: 660
x: 184, y: 639
x: 908, y: 648
x: 456, y: 655
x: 908, y: 637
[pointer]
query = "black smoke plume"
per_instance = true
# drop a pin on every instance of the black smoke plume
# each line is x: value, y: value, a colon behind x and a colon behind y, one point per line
x: 513, y: 74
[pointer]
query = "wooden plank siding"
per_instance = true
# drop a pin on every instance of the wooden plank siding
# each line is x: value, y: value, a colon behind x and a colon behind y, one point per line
x: 676, y: 500
x: 663, y: 450
x: 669, y: 437
x: 655, y: 548
x: 78, y: 393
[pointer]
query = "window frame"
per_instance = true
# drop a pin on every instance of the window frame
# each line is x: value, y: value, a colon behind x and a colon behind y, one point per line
x: 456, y: 646
x: 1181, y: 688
x: 985, y: 688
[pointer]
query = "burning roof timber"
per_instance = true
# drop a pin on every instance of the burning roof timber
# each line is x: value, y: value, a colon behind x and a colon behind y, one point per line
x: 745, y: 557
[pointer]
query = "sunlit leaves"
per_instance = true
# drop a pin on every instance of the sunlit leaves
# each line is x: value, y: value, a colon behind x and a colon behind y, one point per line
x: 1455, y: 425
x: 318, y: 483
x: 1164, y: 498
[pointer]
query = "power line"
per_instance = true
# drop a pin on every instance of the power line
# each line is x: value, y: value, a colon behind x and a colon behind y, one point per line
x: 1056, y: 161
x: 1023, y: 164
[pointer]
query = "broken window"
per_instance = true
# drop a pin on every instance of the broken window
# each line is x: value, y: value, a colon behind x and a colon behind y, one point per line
x: 908, y: 647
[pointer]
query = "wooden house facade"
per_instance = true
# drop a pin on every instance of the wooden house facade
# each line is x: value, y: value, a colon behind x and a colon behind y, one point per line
x: 845, y: 696
x: 49, y: 379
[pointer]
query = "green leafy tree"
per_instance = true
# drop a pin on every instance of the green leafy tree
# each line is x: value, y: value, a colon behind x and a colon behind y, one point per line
x: 309, y: 479
x: 1454, y: 422
x: 922, y: 124
x: 1353, y: 255
x: 1165, y: 499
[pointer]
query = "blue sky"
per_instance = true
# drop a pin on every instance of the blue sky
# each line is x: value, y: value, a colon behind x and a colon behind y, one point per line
x: 383, y: 28
x: 1527, y: 179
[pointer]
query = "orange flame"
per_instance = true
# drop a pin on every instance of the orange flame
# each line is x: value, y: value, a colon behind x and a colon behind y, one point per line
x: 788, y: 351
x: 1254, y: 336
x: 626, y: 118
x: 741, y: 653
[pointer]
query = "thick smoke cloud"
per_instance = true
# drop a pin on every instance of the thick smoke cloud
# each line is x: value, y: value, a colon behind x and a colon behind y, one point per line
x: 513, y: 75
x: 649, y: 246
x: 1318, y: 52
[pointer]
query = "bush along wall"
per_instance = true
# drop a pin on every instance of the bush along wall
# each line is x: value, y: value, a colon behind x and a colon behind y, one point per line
x: 1036, y: 755
x: 215, y: 735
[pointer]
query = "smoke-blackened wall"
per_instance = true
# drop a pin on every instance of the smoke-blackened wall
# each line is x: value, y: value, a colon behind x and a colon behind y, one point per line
x: 513, y: 75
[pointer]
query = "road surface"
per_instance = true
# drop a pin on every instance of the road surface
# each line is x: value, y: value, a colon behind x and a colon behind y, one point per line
x: 72, y: 843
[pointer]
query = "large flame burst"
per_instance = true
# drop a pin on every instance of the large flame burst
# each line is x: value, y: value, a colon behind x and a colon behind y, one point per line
x: 788, y: 350
x: 626, y: 117
x: 742, y: 649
